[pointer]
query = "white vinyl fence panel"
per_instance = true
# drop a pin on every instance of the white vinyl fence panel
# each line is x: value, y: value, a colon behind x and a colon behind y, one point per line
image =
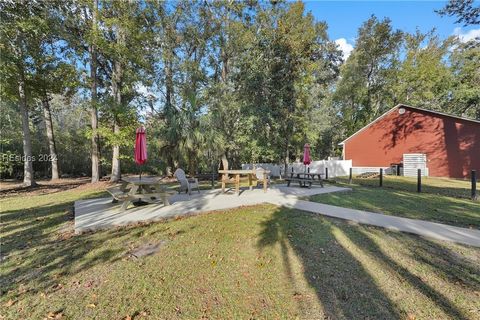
x: 336, y: 168
x: 273, y: 168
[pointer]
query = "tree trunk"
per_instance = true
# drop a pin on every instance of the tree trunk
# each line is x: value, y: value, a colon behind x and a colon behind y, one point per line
x: 168, y: 86
x: 192, y: 163
x: 170, y: 163
x: 28, y: 178
x: 117, y: 82
x: 286, y: 160
x: 116, y: 174
x: 169, y: 112
x: 94, y: 142
x: 224, y: 65
x: 93, y: 110
x: 117, y: 95
x: 51, y: 138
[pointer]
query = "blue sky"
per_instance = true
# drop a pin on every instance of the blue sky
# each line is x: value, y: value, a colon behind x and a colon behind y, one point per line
x: 345, y: 17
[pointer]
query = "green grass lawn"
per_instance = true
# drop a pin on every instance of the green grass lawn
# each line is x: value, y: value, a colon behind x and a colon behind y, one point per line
x: 441, y: 186
x: 399, y: 202
x: 260, y: 262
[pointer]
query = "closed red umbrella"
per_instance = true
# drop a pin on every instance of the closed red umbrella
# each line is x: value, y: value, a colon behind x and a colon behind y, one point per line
x: 306, y: 154
x: 141, y: 147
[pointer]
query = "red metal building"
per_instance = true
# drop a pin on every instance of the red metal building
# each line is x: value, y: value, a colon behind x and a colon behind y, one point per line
x: 450, y: 144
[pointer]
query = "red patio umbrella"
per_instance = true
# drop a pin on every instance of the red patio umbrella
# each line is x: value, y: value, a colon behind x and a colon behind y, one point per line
x: 306, y: 154
x: 141, y: 147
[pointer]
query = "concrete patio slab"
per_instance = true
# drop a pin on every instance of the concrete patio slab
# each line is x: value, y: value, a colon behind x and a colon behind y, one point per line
x: 100, y: 213
x: 95, y: 214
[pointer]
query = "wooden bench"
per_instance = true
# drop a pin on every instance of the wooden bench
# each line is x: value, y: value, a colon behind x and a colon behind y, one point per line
x: 117, y: 194
x: 302, y: 181
x: 318, y: 181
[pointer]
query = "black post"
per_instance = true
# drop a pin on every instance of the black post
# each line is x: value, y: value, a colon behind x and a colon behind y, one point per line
x: 308, y: 169
x: 474, y: 185
x: 213, y: 175
x: 326, y: 173
x: 381, y: 177
x: 350, y: 176
x: 419, y: 180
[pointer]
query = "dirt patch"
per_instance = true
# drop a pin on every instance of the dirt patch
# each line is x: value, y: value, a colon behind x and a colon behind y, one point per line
x: 14, y: 188
x: 147, y: 249
x: 66, y: 231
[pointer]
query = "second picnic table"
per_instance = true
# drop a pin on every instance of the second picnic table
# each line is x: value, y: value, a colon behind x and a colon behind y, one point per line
x: 304, y: 178
x: 237, y: 173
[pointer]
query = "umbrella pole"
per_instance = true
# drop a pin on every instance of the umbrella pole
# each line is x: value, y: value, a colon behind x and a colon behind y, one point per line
x: 140, y: 202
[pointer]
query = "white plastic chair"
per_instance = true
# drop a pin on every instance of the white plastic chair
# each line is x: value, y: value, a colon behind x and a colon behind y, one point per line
x: 186, y: 184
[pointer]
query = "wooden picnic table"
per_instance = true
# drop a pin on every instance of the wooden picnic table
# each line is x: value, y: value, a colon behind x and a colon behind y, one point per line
x: 304, y: 178
x: 237, y: 173
x: 141, y: 189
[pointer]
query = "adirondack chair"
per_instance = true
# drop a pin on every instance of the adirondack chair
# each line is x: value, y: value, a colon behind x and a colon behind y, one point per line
x: 225, y: 178
x: 259, y: 176
x: 186, y: 184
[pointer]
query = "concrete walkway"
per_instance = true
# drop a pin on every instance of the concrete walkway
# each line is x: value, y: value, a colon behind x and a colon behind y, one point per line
x: 423, y: 228
x: 101, y: 213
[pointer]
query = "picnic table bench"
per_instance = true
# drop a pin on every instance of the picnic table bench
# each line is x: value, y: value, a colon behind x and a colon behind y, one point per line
x: 131, y: 189
x: 305, y: 179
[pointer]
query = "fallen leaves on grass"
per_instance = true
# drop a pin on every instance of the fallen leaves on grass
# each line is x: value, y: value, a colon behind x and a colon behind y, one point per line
x: 54, y: 315
x: 297, y: 295
x: 89, y: 284
x: 91, y: 305
x: 65, y: 235
x: 57, y: 287
x: 9, y: 303
x: 23, y: 288
x: 173, y: 234
x: 136, y: 315
x: 178, y: 310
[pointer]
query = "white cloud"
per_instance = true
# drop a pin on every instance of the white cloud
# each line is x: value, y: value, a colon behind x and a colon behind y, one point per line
x: 466, y: 36
x: 144, y: 91
x: 345, y: 47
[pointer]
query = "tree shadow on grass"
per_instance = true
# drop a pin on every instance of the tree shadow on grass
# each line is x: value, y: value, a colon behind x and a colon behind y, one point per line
x: 38, y: 246
x: 344, y: 288
x: 451, y: 265
x: 361, y: 237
